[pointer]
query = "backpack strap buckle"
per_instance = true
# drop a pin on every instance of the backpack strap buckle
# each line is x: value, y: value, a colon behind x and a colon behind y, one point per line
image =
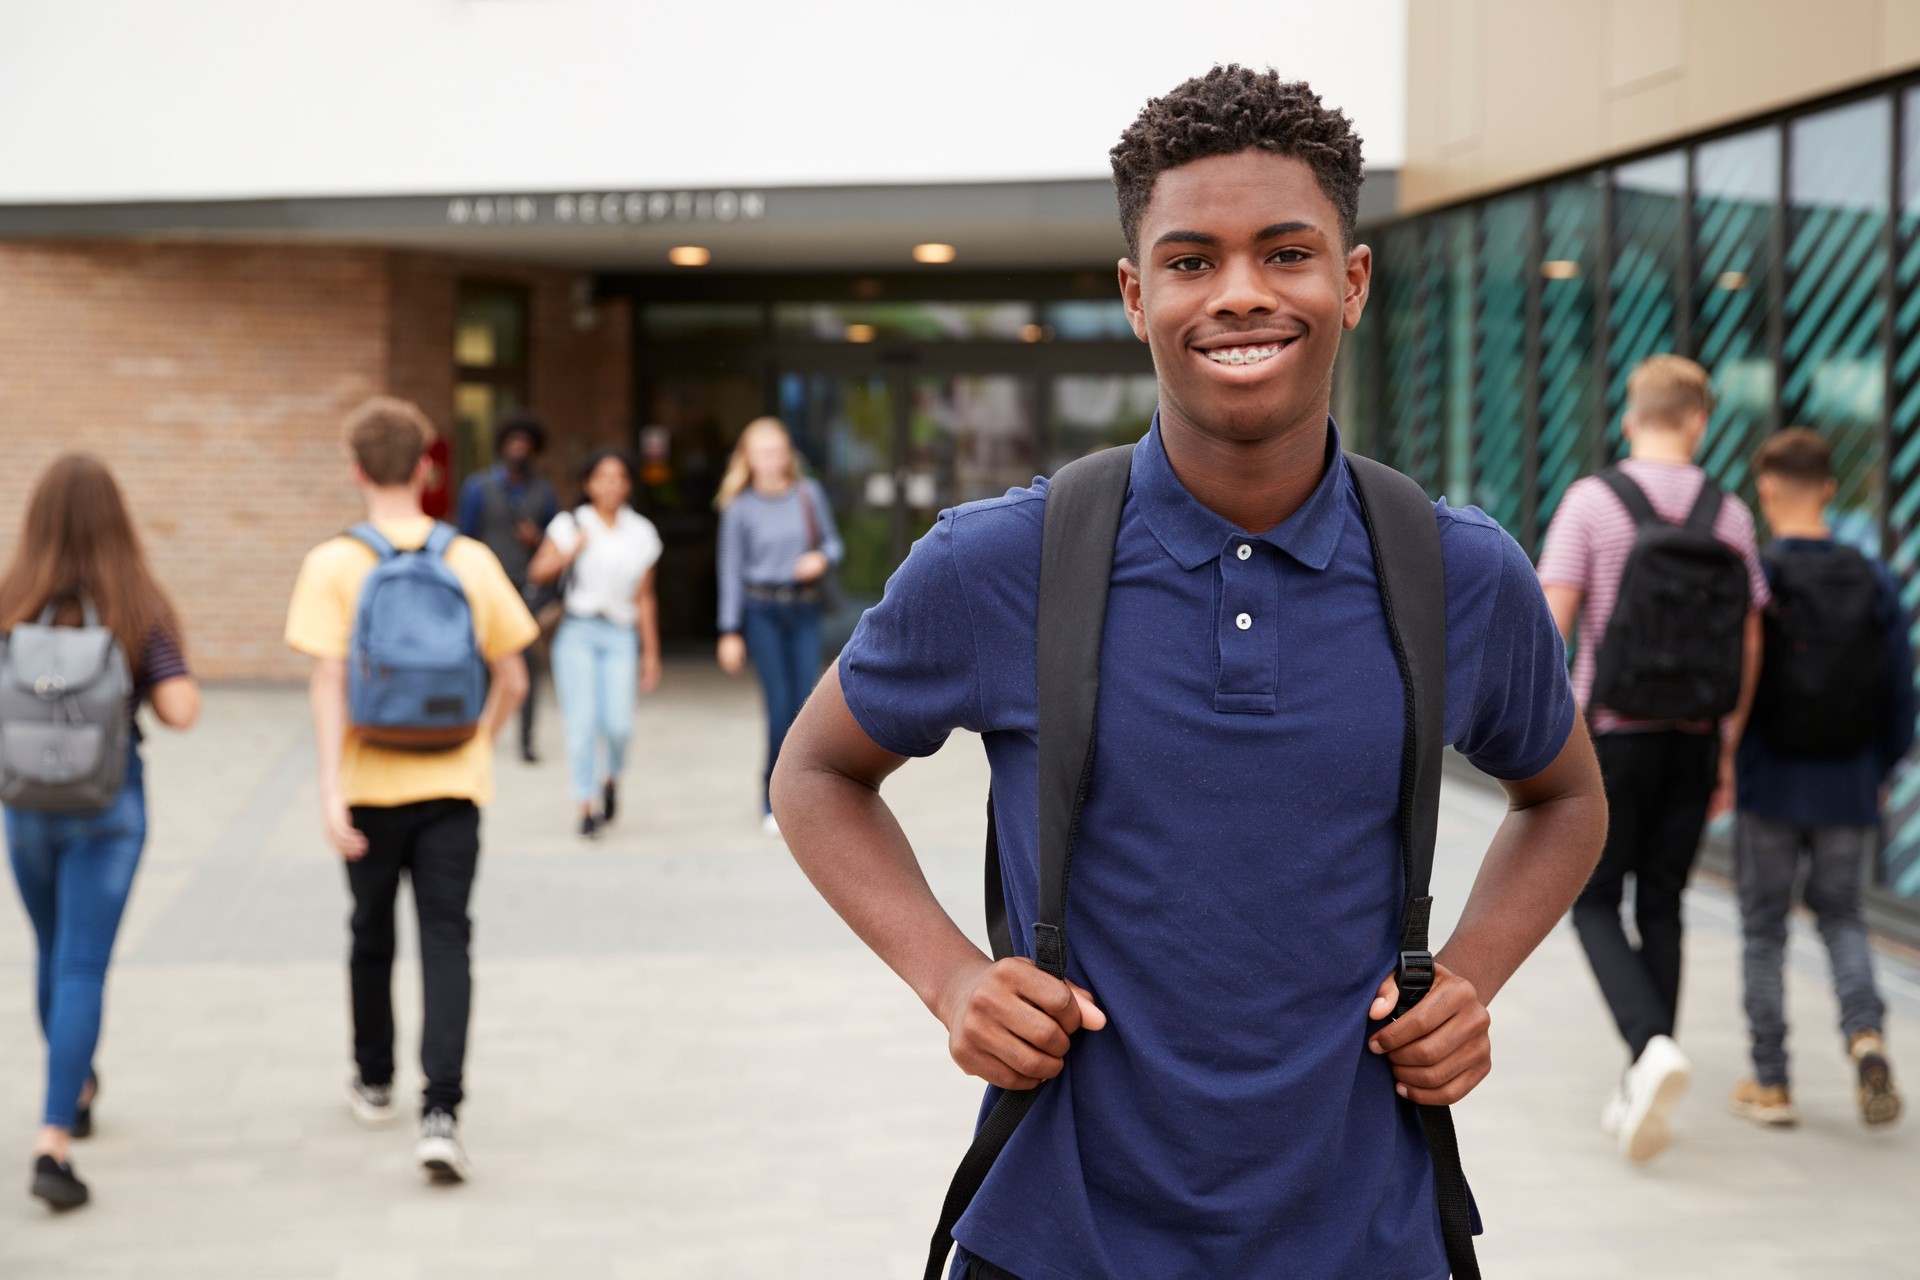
x: 1414, y: 976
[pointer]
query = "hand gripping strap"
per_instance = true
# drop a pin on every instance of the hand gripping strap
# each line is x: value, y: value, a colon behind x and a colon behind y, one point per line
x: 1413, y: 594
x: 1076, y: 559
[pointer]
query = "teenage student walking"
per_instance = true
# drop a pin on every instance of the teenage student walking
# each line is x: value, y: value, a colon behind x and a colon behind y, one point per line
x: 777, y: 544
x: 1833, y: 715
x: 1659, y: 568
x: 1219, y: 1092
x: 604, y: 554
x: 416, y: 635
x: 507, y: 508
x: 82, y: 612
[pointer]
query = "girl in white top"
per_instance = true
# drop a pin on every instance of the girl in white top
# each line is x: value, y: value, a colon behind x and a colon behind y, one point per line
x: 606, y: 552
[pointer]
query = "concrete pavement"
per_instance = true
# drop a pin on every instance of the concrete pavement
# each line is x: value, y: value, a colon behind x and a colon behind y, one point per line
x: 684, y: 1066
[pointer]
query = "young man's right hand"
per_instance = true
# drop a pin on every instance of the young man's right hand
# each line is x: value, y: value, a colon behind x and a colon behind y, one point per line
x: 1011, y: 1023
x: 341, y: 833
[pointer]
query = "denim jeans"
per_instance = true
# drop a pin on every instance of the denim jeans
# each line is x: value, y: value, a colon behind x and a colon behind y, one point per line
x: 784, y: 642
x: 436, y: 843
x: 74, y: 871
x: 1766, y: 863
x: 596, y: 671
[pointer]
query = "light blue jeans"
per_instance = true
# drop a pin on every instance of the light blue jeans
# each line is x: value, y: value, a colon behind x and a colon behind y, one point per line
x: 596, y: 672
x: 75, y: 871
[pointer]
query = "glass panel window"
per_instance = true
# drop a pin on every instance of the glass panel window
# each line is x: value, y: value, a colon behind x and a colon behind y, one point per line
x: 918, y: 321
x: 1089, y: 321
x: 668, y: 321
x: 1092, y: 411
x: 845, y: 426
x: 1736, y: 190
x: 490, y: 367
x: 1570, y: 405
x: 1834, y: 375
x: 1407, y: 419
x: 1502, y: 249
x: 1644, y: 278
x: 967, y: 437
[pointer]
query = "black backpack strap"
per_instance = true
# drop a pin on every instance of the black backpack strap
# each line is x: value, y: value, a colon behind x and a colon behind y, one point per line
x: 999, y: 932
x: 1631, y: 496
x: 1413, y: 593
x: 1076, y: 559
x: 1706, y: 507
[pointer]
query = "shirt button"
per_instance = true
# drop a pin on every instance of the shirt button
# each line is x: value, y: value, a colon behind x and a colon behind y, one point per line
x: 1244, y: 551
x: 1244, y: 621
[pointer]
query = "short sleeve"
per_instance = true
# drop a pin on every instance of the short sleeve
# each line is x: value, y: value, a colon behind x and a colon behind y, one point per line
x: 651, y: 547
x: 564, y: 531
x: 500, y: 615
x: 1567, y: 558
x: 161, y: 659
x: 911, y: 672
x: 1510, y: 703
x: 320, y: 616
x: 1735, y: 528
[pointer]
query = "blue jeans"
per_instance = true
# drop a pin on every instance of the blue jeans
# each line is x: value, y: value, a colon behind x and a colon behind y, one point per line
x: 784, y: 642
x: 1767, y: 856
x: 75, y: 871
x: 596, y: 672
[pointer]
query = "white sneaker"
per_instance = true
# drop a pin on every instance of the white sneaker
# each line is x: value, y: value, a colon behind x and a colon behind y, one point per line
x: 1652, y: 1086
x: 372, y: 1103
x: 1614, y: 1114
x: 439, y: 1151
x: 769, y: 825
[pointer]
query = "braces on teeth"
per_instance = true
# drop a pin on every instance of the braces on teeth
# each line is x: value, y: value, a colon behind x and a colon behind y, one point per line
x: 1242, y: 355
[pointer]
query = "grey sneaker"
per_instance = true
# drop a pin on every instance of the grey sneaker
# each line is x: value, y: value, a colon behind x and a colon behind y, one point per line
x: 372, y: 1103
x: 439, y: 1151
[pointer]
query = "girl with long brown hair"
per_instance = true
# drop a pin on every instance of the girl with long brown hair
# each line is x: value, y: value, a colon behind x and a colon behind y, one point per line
x: 777, y: 545
x: 78, y: 550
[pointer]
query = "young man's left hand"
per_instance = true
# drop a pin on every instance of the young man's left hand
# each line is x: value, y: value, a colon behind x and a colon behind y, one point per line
x: 1440, y: 1049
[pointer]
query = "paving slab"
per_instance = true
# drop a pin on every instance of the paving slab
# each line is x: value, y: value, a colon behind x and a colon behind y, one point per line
x: 683, y: 1065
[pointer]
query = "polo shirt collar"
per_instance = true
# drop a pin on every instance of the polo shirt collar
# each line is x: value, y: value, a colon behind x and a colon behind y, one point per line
x: 1194, y: 535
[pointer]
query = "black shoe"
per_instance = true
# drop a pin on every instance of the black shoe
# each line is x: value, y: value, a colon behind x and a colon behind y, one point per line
x: 589, y: 827
x: 83, y: 1114
x: 609, y: 802
x: 526, y: 754
x: 439, y: 1152
x: 55, y: 1183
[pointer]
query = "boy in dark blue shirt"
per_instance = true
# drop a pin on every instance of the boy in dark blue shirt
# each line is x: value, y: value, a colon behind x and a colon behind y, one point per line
x: 1222, y: 1097
x: 1833, y: 716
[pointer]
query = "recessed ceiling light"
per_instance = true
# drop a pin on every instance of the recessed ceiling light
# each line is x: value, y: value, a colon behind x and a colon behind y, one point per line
x: 689, y: 255
x: 1035, y: 333
x: 934, y: 253
x: 861, y: 333
x: 1560, y: 269
x: 1732, y: 281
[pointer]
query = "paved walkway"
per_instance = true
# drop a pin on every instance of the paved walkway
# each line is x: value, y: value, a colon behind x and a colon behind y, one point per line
x: 685, y: 1066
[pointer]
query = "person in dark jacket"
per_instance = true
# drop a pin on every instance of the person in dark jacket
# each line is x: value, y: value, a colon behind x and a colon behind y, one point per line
x: 1809, y: 783
x: 507, y: 507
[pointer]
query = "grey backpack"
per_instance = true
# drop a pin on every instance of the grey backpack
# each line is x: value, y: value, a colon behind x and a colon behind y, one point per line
x: 64, y: 727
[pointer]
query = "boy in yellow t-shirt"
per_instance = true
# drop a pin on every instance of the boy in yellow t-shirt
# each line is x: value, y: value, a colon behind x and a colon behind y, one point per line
x: 389, y: 811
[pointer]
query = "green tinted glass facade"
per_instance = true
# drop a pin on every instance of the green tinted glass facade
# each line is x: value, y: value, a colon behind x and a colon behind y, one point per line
x: 1784, y: 255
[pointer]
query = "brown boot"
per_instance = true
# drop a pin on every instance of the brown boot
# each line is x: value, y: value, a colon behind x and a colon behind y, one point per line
x: 1768, y: 1104
x: 1879, y: 1101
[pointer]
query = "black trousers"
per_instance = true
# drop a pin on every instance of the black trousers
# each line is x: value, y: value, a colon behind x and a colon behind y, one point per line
x: 437, y: 844
x: 1658, y: 788
x: 533, y: 690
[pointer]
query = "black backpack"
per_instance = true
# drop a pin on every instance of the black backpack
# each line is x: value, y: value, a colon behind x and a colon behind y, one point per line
x: 1674, y: 645
x: 1076, y: 559
x: 1823, y: 685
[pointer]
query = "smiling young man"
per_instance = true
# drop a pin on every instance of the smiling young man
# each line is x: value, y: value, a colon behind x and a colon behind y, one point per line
x: 1223, y: 1098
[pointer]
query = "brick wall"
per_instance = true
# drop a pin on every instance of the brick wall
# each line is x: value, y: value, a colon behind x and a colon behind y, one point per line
x: 213, y: 379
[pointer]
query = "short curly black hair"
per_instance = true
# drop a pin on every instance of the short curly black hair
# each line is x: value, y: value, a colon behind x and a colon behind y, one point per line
x: 1226, y: 111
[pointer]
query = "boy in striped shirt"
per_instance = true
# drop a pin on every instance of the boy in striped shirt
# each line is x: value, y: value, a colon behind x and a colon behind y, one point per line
x: 1663, y: 777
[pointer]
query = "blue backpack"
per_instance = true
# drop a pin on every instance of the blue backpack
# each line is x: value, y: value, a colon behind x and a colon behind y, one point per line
x: 416, y: 678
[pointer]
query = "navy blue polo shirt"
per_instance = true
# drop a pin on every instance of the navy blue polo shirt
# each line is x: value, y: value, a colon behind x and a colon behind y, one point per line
x: 1237, y: 881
